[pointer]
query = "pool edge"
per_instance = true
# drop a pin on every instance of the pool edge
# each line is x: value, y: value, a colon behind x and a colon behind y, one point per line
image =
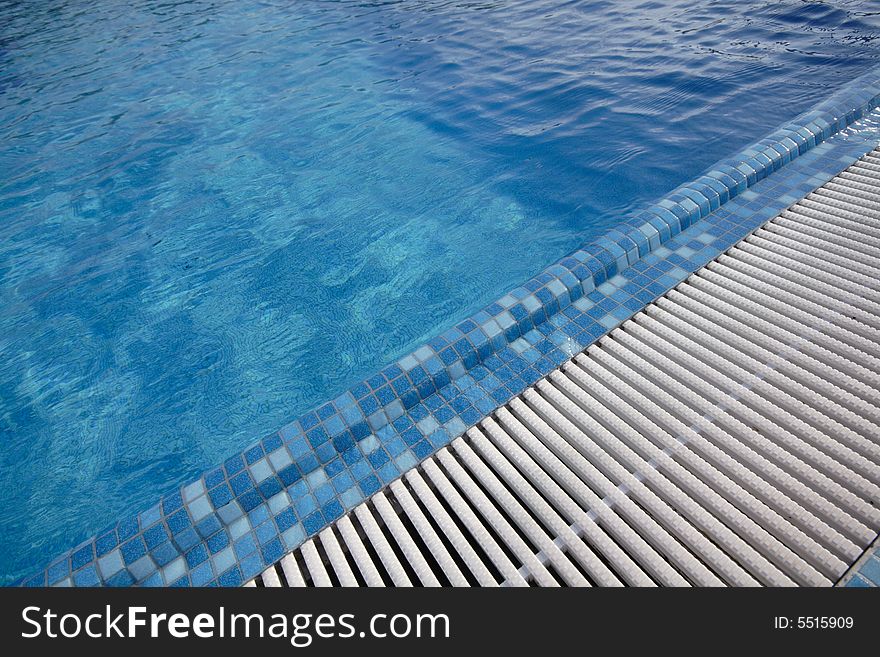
x: 172, y: 540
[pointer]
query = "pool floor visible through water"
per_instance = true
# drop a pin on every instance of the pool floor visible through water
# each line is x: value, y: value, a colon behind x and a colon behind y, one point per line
x: 214, y: 217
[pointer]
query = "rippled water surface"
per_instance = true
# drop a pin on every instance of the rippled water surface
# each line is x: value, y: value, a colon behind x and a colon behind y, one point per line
x: 214, y: 216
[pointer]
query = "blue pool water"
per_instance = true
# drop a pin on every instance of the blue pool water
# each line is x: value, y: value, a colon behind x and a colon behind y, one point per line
x: 214, y: 216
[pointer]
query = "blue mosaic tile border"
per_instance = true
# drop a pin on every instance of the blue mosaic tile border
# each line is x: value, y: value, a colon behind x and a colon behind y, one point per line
x: 866, y: 572
x: 228, y: 525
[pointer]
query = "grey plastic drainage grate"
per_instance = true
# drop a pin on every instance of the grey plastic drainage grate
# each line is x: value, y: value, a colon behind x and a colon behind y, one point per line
x: 729, y: 434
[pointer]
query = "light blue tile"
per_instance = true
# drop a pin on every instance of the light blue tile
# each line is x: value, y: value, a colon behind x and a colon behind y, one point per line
x: 174, y: 570
x: 200, y: 508
x: 405, y: 461
x: 317, y: 478
x: 223, y: 560
x: 260, y: 470
x: 351, y: 498
x: 281, y: 458
x: 239, y: 527
x: 193, y: 490
x: 110, y: 563
x: 278, y: 502
x: 229, y: 512
x: 293, y: 536
x: 455, y: 426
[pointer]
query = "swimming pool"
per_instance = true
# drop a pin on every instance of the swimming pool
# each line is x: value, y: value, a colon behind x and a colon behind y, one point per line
x: 216, y: 217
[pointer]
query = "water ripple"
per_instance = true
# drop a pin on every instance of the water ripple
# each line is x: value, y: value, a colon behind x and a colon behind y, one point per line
x: 216, y: 215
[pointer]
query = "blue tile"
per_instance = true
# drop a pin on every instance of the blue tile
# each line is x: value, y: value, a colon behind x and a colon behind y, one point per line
x: 272, y: 551
x: 313, y: 523
x: 186, y: 539
x: 857, y: 583
x: 241, y: 483
x: 127, y: 528
x: 121, y: 579
x: 172, y: 503
x: 82, y: 556
x: 870, y: 570
x: 378, y: 458
x: 86, y: 577
x: 369, y: 485
x: 245, y: 546
x: 265, y: 532
x: 253, y: 454
x: 202, y: 574
x: 164, y: 554
x: 208, y: 526
x: 233, y: 466
x: 155, y: 535
x: 217, y: 542
x: 196, y: 556
x: 178, y: 521
x: 220, y: 495
x: 231, y: 578
x: 105, y: 543
x: 290, y: 475
x: 133, y: 550
x: 305, y: 505
x: 285, y: 520
x: 334, y: 467
x: 58, y: 571
x: 332, y: 510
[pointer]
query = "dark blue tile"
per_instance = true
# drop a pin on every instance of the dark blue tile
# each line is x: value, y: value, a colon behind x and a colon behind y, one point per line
x: 208, y: 526
x: 290, y: 475
x: 241, y: 483
x: 133, y: 550
x: 317, y: 436
x: 271, y: 443
x: 369, y: 485
x: 313, y: 523
x: 422, y: 449
x: 392, y: 372
x: 217, y: 542
x: 285, y: 520
x: 332, y: 510
x: 308, y: 421
x: 272, y: 551
x: 360, y: 390
x: 214, y: 478
x: 127, y: 528
x: 270, y: 487
x: 196, y: 556
x: 220, y: 496
x: 360, y: 430
x: 82, y: 556
x: 231, y: 578
x: 155, y: 535
x: 106, y: 543
x: 378, y: 458
x: 121, y: 579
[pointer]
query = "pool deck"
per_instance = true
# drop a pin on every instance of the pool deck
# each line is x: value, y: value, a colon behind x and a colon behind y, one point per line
x: 226, y: 527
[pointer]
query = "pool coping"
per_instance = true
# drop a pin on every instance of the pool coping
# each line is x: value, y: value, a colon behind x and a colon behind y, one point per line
x: 266, y: 500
